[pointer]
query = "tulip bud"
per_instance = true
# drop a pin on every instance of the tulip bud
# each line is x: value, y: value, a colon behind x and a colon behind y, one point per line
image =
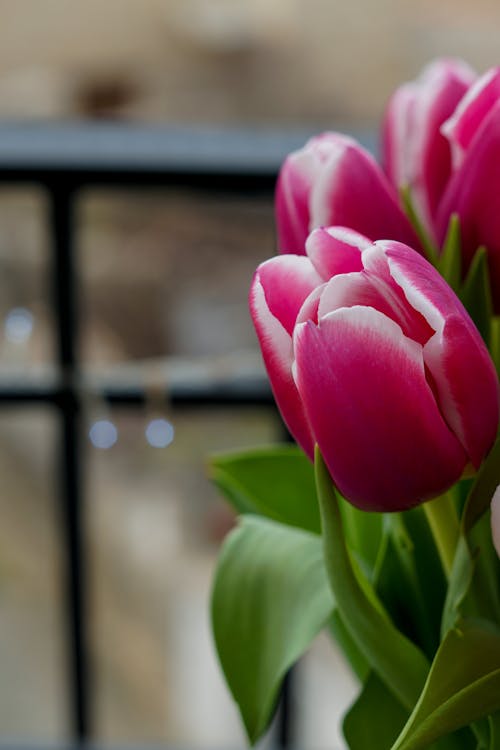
x: 415, y: 152
x: 333, y: 180
x: 371, y: 356
x: 473, y: 190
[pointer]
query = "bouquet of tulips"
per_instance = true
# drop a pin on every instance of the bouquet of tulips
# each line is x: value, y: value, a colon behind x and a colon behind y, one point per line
x: 378, y: 324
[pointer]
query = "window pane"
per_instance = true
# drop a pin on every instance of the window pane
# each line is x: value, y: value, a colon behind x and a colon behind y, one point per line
x: 168, y: 273
x: 155, y: 525
x: 26, y: 338
x: 33, y: 688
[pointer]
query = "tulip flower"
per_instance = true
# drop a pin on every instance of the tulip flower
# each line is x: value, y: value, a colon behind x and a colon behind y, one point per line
x: 416, y: 154
x: 333, y: 180
x: 372, y: 356
x: 441, y: 142
x: 454, y: 148
x: 473, y: 190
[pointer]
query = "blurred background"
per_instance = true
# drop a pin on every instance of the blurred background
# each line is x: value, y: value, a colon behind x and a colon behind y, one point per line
x: 164, y: 274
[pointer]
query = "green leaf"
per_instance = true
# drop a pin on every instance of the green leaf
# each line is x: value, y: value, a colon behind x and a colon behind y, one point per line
x: 431, y: 252
x: 450, y: 260
x: 473, y: 585
x: 494, y: 727
x: 375, y: 714
x: 395, y: 659
x: 485, y: 586
x: 276, y: 482
x: 410, y: 561
x: 495, y: 341
x: 461, y: 577
x: 475, y: 570
x: 482, y: 733
x: 481, y: 493
x: 344, y: 640
x: 269, y: 601
x: 365, y: 533
x: 463, y: 685
x: 476, y: 293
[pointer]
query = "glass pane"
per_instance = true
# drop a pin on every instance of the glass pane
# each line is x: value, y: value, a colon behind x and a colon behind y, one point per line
x: 155, y: 526
x: 168, y: 273
x: 26, y: 337
x: 33, y: 688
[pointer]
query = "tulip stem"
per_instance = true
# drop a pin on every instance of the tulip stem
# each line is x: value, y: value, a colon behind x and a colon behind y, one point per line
x: 443, y: 521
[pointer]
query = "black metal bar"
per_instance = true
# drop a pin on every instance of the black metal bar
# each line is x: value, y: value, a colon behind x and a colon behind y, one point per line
x: 64, y: 298
x: 180, y: 394
x: 120, y: 155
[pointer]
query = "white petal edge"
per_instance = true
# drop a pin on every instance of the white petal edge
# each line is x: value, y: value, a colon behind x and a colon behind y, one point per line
x: 370, y: 319
x: 272, y: 333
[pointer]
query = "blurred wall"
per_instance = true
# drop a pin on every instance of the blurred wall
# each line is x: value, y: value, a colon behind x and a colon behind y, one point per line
x: 281, y: 61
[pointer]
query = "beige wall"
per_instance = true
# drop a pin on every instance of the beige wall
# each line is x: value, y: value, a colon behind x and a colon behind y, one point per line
x: 280, y: 61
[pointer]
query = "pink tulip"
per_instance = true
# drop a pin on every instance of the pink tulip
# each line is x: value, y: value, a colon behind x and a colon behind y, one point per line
x: 371, y: 356
x: 416, y: 154
x: 333, y: 180
x: 473, y: 190
x: 442, y: 138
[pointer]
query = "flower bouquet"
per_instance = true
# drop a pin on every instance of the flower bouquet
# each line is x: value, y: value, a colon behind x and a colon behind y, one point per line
x: 378, y: 325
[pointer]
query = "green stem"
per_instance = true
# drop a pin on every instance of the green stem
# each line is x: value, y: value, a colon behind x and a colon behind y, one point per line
x: 431, y: 252
x: 443, y: 521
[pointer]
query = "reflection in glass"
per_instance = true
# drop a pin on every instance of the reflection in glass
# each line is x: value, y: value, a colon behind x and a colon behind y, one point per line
x: 103, y: 434
x: 18, y: 325
x: 159, y: 433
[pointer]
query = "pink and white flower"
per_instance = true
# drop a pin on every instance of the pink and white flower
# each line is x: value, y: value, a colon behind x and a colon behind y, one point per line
x: 372, y: 356
x: 441, y: 141
x: 333, y: 180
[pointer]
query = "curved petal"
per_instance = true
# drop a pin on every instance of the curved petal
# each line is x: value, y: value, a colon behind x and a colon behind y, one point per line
x: 466, y: 384
x: 352, y: 191
x: 423, y: 287
x: 334, y: 250
x: 461, y: 128
x: 293, y: 188
x: 287, y: 281
x: 415, y: 152
x: 309, y: 310
x: 474, y: 193
x: 376, y: 264
x: 372, y: 412
x: 276, y: 347
x: 461, y: 368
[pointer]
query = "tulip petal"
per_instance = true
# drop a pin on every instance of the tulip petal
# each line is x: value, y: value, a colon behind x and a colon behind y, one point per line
x: 287, y: 280
x: 415, y: 152
x: 423, y: 287
x: 474, y: 194
x: 335, y: 250
x: 462, y: 127
x: 376, y: 264
x: 293, y: 188
x: 352, y: 191
x: 463, y: 374
x: 466, y: 385
x: 276, y: 347
x: 372, y: 412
